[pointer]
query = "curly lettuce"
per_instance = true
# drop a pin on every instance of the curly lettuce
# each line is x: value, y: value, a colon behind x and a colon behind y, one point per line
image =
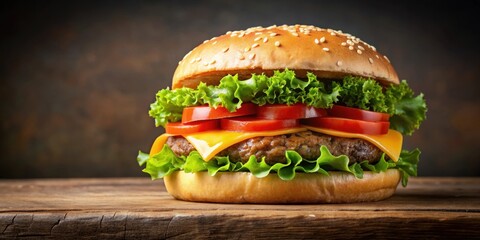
x: 165, y: 162
x: 363, y: 93
x: 407, y: 111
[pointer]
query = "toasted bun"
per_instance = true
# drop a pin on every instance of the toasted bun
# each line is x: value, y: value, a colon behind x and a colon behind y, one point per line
x: 243, y: 187
x: 326, y: 53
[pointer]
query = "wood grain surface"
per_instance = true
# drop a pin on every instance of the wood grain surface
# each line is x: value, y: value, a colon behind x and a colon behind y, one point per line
x: 137, y: 208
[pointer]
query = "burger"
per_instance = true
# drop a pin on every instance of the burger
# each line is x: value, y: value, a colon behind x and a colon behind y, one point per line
x: 284, y: 114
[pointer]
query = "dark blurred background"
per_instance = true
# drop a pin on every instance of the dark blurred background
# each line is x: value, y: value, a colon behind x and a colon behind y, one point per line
x: 76, y: 79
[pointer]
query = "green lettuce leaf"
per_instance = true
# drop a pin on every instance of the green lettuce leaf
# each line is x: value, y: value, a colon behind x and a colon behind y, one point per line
x: 283, y: 87
x: 165, y: 162
x: 407, y: 164
x: 142, y: 158
x: 364, y: 93
x: 408, y: 111
x: 161, y: 164
x: 169, y: 104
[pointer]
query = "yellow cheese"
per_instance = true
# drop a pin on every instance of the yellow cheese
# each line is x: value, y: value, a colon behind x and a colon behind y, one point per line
x: 210, y: 143
x: 158, y: 143
x: 390, y: 143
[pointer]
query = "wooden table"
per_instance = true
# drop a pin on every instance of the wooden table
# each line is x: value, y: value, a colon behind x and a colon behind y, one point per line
x: 133, y: 208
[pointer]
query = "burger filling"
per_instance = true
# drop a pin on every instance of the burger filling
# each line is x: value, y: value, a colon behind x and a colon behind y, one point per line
x: 354, y: 105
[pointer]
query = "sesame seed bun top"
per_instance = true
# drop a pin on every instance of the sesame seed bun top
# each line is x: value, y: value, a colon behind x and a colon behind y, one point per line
x: 326, y: 53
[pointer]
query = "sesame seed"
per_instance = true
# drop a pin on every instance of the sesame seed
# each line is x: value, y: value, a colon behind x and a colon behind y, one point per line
x: 359, y: 51
x: 229, y: 32
x: 370, y: 60
x: 339, y: 63
x: 322, y: 40
x: 333, y: 33
x: 213, y: 61
x: 255, y: 45
x: 258, y: 33
x: 205, y: 63
x: 344, y: 44
x: 225, y: 49
x: 265, y: 39
x: 277, y: 44
x: 247, y: 49
x: 350, y: 47
x: 388, y: 60
x: 193, y: 60
x: 214, y: 43
x: 241, y: 34
x: 361, y: 48
x: 273, y: 34
x: 377, y: 56
x: 349, y: 42
x: 233, y: 34
x: 257, y: 38
x: 206, y: 41
x: 295, y: 34
x: 198, y: 59
x: 251, y: 56
x: 241, y: 57
x: 325, y: 49
x: 317, y: 41
x: 179, y: 62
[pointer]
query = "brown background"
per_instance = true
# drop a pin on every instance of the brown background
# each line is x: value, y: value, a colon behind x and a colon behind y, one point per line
x: 76, y: 80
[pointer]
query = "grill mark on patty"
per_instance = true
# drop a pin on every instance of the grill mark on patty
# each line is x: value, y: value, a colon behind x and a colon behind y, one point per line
x: 306, y: 143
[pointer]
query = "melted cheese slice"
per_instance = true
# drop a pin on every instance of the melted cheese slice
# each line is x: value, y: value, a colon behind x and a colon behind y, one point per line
x: 158, y: 143
x: 390, y: 143
x: 210, y: 143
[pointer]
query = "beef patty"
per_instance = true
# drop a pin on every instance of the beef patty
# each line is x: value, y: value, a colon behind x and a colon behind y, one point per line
x: 306, y: 143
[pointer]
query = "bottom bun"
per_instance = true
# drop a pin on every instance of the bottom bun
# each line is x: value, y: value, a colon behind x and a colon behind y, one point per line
x: 243, y: 187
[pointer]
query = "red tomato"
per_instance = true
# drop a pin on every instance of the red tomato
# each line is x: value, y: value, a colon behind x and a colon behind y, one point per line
x: 249, y: 124
x: 187, y: 128
x: 349, y: 125
x: 192, y: 114
x: 283, y: 111
x: 355, y: 113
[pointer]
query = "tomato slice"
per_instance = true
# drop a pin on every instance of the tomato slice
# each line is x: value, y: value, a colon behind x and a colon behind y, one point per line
x: 250, y: 124
x: 283, y: 111
x: 187, y: 128
x: 355, y: 113
x: 349, y: 125
x: 198, y: 113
